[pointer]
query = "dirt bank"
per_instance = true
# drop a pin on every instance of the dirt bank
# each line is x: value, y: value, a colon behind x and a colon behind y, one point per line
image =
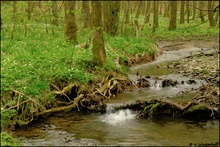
x: 176, y: 45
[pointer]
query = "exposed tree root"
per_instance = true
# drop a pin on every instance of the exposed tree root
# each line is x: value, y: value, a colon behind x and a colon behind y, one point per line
x: 64, y: 108
x: 165, y: 107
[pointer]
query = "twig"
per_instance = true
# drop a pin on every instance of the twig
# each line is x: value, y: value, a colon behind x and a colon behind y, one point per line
x: 15, y: 105
x: 27, y: 97
x: 61, y: 91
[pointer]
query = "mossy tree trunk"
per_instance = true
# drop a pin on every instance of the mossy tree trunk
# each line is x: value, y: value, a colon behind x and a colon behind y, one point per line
x: 98, y: 50
x: 211, y: 14
x: 71, y: 27
x: 173, y: 13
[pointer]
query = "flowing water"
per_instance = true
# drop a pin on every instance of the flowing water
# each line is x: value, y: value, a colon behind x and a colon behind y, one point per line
x: 122, y: 127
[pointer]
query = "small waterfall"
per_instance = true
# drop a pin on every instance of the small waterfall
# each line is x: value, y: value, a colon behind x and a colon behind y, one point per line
x: 114, y: 117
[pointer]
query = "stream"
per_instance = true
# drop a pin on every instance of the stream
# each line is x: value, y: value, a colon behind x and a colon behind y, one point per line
x: 122, y: 128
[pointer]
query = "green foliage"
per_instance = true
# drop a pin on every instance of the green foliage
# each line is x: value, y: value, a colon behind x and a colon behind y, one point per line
x: 7, y: 140
x: 6, y: 116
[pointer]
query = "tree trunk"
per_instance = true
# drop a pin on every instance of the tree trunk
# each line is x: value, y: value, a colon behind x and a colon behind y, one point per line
x: 147, y: 15
x: 136, y: 18
x: 165, y: 9
x: 182, y: 12
x: 210, y: 14
x: 217, y: 17
x: 98, y: 50
x: 29, y: 9
x: 148, y: 11
x: 71, y: 27
x: 111, y: 16
x: 201, y: 3
x: 126, y: 17
x: 194, y: 9
x: 172, y: 24
x: 160, y: 5
x: 15, y: 19
x: 55, y: 13
x: 187, y: 11
x: 168, y: 8
x: 86, y: 14
x: 155, y: 23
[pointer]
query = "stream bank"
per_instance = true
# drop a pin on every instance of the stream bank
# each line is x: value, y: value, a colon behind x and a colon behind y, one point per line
x: 71, y: 129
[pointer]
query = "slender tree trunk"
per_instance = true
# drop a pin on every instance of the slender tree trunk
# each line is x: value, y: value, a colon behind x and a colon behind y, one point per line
x: 86, y: 14
x: 147, y: 14
x: 148, y: 11
x: 29, y: 9
x: 161, y: 6
x: 15, y: 19
x: 45, y: 21
x: 194, y: 9
x: 136, y: 17
x: 126, y: 17
x: 168, y: 8
x: 187, y: 11
x: 116, y: 16
x: 201, y: 3
x: 211, y: 13
x: 55, y: 13
x: 98, y: 50
x: 165, y: 9
x: 182, y: 12
x: 172, y: 25
x: 71, y: 27
x: 217, y: 17
x: 155, y: 23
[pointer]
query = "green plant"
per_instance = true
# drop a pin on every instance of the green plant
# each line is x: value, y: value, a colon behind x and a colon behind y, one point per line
x: 7, y: 140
